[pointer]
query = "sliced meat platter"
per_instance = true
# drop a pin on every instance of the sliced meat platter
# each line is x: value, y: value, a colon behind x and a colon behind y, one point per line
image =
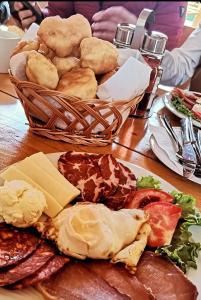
x: 28, y: 258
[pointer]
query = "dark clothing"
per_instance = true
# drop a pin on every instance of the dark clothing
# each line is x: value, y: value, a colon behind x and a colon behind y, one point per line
x: 169, y: 16
x: 4, y: 11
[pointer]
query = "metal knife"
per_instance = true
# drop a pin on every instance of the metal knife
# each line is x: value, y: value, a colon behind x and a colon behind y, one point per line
x: 188, y: 153
x: 194, y: 140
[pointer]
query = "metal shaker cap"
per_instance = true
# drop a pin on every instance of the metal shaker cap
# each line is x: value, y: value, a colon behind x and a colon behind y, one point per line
x: 154, y: 42
x: 124, y: 35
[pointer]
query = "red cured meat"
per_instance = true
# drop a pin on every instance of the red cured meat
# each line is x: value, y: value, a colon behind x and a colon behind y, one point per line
x: 15, y: 245
x: 164, y: 279
x: 50, y: 268
x: 120, y: 279
x: 76, y: 282
x: 99, y: 177
x: 125, y: 190
x: 82, y: 171
x: 29, y: 266
x: 110, y: 172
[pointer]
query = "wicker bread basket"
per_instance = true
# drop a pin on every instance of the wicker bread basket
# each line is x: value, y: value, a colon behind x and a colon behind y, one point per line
x: 52, y: 114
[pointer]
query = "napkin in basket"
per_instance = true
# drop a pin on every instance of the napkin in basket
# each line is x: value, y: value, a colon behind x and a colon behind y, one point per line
x: 128, y: 82
x: 167, y: 149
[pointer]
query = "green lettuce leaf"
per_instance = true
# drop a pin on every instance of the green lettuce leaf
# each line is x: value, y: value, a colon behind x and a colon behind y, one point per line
x: 181, y: 107
x: 148, y: 182
x: 183, y: 250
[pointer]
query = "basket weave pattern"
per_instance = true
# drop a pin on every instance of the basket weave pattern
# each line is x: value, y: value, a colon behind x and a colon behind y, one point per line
x: 91, y: 122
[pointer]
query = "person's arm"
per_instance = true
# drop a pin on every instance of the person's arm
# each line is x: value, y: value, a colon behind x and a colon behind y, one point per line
x: 169, y: 19
x: 62, y: 8
x: 179, y: 64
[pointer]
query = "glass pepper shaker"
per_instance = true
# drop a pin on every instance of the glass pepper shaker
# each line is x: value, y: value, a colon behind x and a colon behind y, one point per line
x: 152, y: 50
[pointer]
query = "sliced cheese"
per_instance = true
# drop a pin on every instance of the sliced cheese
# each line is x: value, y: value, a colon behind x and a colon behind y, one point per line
x: 44, y: 163
x: 57, y: 190
x: 12, y: 173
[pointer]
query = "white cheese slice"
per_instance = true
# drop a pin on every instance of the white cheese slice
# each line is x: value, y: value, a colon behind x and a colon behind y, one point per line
x: 197, y: 108
x: 44, y: 163
x: 57, y: 190
x: 12, y: 173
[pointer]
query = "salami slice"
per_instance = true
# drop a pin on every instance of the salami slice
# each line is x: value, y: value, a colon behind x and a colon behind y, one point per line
x: 50, y: 268
x: 163, y: 219
x: 15, y: 245
x: 29, y: 266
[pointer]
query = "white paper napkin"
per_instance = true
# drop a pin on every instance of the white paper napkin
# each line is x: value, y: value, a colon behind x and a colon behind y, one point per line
x: 168, y: 150
x: 31, y: 33
x: 125, y: 53
x: 128, y: 82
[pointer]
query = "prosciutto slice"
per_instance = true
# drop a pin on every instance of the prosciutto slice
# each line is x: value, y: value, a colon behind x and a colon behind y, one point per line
x: 76, y: 282
x: 120, y: 279
x: 164, y: 279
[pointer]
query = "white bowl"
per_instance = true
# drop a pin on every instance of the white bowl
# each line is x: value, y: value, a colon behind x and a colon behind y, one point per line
x: 8, y: 41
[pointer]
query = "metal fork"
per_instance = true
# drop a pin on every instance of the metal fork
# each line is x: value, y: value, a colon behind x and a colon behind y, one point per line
x: 166, y: 124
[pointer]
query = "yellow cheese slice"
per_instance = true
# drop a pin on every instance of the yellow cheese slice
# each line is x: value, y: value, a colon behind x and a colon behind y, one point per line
x: 44, y: 163
x: 13, y: 173
x: 57, y: 190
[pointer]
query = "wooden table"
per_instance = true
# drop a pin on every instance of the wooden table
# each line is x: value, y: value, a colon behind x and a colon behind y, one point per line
x: 17, y: 142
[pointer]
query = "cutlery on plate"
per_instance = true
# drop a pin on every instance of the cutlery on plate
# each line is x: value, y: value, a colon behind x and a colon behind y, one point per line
x: 189, y: 158
x: 166, y: 124
x: 194, y: 139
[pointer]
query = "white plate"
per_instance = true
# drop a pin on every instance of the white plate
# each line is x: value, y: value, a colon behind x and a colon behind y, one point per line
x: 162, y: 156
x: 194, y: 275
x: 170, y: 107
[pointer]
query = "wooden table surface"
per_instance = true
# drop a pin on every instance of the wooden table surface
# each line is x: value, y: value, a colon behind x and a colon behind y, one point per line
x: 132, y: 144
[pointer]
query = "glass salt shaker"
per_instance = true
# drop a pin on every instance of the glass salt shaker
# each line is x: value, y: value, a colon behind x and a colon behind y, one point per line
x: 152, y: 50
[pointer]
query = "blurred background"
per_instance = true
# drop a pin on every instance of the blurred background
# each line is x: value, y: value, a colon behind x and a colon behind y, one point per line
x: 193, y: 18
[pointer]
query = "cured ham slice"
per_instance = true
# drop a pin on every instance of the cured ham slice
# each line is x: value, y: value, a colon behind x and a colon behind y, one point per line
x: 76, y: 282
x: 15, y: 245
x: 164, y: 279
x: 29, y: 266
x: 120, y: 279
